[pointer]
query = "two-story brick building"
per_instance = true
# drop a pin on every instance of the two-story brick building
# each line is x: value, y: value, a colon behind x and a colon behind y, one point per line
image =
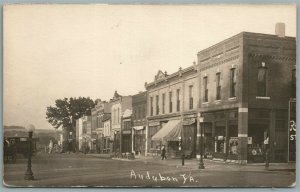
x: 100, y: 112
x: 246, y: 85
x: 118, y: 107
x: 139, y: 108
x: 172, y: 111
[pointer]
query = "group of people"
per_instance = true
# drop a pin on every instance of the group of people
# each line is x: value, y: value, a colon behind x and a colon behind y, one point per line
x: 51, y: 147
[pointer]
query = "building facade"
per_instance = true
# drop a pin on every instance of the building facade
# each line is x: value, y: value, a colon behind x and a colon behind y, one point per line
x: 172, y: 111
x: 100, y: 113
x: 118, y: 106
x: 139, y: 108
x: 246, y: 84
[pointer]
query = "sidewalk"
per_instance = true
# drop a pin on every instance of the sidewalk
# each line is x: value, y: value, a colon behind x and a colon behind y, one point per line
x: 219, y: 165
x: 210, y: 165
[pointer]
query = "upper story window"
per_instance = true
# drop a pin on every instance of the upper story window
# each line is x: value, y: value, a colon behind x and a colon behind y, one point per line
x: 218, y: 86
x: 294, y: 83
x: 139, y: 112
x: 157, y: 104
x: 115, y: 116
x: 262, y: 81
x: 191, y: 99
x: 170, y: 102
x: 144, y: 112
x: 118, y: 115
x: 151, y: 106
x: 205, y: 87
x: 163, y: 103
x: 232, y: 82
x: 178, y: 99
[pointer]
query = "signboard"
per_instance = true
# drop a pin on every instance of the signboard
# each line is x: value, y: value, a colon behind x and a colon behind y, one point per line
x: 189, y: 121
x: 154, y: 123
x: 249, y: 140
x: 292, y: 131
x: 126, y: 132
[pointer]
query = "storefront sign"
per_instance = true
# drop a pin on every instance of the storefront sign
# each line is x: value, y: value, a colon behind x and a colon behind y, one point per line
x: 292, y: 131
x: 189, y: 121
x: 126, y: 132
x: 249, y: 140
x: 154, y: 123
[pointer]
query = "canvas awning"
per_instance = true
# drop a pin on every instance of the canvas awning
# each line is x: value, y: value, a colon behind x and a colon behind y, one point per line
x: 137, y: 128
x: 169, y: 132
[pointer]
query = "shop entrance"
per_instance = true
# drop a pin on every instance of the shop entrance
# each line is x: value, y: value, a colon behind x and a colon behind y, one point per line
x: 208, y: 140
x: 220, y: 148
x: 256, y: 148
x: 126, y: 143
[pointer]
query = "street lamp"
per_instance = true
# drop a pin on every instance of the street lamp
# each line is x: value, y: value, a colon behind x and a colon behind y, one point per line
x: 29, y: 174
x: 181, y: 149
x: 115, y: 142
x: 201, y: 164
x: 70, y: 141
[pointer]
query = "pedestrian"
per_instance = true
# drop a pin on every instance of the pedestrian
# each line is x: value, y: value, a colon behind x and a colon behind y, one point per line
x: 50, y: 146
x: 163, y: 153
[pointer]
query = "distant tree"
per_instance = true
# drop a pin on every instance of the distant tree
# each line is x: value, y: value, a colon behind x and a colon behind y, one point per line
x: 66, y: 111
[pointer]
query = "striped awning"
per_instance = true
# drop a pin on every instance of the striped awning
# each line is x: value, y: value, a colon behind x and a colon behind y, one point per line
x: 169, y: 132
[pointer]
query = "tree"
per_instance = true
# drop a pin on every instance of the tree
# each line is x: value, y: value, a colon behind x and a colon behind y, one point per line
x: 66, y: 111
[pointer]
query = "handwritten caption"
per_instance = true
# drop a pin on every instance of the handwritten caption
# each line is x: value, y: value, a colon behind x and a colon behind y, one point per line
x: 183, y: 178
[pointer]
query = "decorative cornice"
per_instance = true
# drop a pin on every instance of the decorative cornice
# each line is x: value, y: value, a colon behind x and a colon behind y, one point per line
x: 219, y: 62
x: 272, y: 57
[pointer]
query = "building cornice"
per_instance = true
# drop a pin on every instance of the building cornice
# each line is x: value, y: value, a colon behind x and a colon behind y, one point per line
x: 272, y: 57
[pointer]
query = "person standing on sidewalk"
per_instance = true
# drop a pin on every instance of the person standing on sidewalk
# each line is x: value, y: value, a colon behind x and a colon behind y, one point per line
x: 163, y: 153
x: 50, y: 146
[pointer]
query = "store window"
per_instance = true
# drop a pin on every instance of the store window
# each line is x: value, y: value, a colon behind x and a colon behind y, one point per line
x: 218, y: 86
x: 220, y: 139
x: 170, y: 102
x: 262, y: 81
x: 232, y: 82
x: 163, y: 103
x: 191, y: 99
x: 205, y: 81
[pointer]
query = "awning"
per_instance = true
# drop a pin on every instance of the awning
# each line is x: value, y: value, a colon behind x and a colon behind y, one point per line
x: 137, y: 128
x: 169, y: 132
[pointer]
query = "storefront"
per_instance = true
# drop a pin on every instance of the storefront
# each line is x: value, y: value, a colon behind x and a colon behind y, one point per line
x: 221, y: 134
x: 189, y: 136
x: 126, y: 141
x: 153, y: 145
x: 139, y: 139
x: 168, y: 136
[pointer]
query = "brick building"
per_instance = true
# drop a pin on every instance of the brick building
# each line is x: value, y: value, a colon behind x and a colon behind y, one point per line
x: 118, y: 107
x: 100, y: 113
x: 139, y: 108
x: 172, y: 111
x: 246, y: 84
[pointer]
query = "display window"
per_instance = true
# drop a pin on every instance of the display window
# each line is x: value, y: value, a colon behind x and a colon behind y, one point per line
x: 220, y: 139
x: 257, y: 134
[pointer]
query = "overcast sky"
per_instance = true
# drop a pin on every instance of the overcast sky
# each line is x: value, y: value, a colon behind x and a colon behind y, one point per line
x: 57, y: 51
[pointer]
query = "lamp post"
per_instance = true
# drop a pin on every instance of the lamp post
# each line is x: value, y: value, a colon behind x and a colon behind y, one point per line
x: 70, y: 142
x: 115, y: 142
x: 201, y: 164
x: 29, y: 174
x: 181, y: 149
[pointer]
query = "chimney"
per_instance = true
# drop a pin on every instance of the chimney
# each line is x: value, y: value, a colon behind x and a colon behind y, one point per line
x: 280, y: 29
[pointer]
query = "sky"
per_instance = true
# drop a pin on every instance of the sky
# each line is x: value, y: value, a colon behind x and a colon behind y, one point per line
x: 57, y: 51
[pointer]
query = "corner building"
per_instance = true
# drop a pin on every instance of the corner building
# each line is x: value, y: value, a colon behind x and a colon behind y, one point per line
x: 246, y: 83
